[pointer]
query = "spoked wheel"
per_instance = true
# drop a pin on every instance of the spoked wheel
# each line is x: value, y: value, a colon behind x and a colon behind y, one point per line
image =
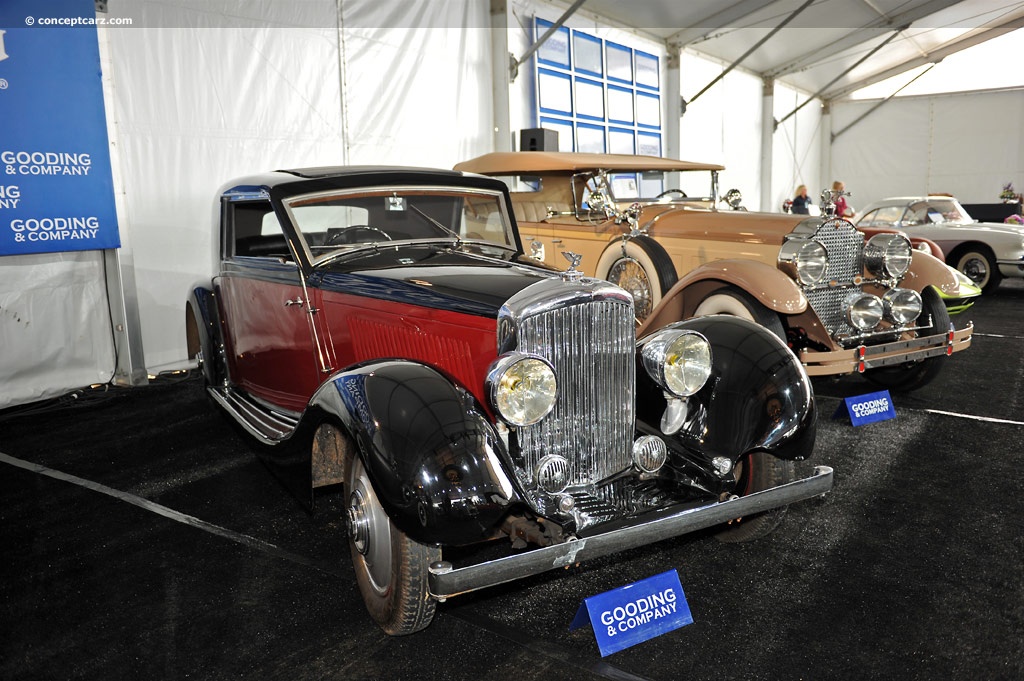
x: 391, y: 569
x: 913, y: 375
x: 756, y: 472
x: 642, y: 267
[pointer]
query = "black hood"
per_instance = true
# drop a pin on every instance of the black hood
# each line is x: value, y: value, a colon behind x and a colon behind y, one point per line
x: 472, y: 279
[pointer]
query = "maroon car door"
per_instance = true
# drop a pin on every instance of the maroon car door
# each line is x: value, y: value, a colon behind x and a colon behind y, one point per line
x: 272, y: 354
x: 269, y: 336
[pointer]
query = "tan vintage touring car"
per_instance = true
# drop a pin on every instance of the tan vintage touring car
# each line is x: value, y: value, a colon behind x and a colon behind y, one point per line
x: 658, y: 228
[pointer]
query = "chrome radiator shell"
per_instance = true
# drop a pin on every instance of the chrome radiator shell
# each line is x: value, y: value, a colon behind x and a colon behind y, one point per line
x: 845, y: 248
x: 586, y: 329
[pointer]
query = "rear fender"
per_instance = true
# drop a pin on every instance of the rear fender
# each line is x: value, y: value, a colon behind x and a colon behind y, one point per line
x: 436, y: 462
x: 771, y: 287
x: 202, y: 330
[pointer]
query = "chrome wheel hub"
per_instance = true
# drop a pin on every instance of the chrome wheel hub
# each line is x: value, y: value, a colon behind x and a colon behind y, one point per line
x: 369, y: 530
x: 976, y: 270
x: 358, y: 523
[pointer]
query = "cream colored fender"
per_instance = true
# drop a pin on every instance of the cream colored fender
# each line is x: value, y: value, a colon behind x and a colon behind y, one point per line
x: 927, y: 270
x: 766, y: 284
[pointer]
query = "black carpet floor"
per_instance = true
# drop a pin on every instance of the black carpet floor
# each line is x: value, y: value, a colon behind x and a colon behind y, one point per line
x: 142, y: 540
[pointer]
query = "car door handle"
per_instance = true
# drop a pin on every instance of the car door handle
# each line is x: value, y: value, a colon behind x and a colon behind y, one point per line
x: 297, y: 301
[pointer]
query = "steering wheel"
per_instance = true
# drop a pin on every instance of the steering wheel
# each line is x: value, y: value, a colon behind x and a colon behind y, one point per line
x: 355, y: 234
x: 665, y: 193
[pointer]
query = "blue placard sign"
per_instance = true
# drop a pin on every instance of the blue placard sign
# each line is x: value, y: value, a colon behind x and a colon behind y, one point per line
x: 869, y: 408
x: 635, y: 613
x: 56, y: 190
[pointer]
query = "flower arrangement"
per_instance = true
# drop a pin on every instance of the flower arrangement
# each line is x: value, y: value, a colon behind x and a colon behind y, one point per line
x: 1008, y: 195
x: 1014, y: 220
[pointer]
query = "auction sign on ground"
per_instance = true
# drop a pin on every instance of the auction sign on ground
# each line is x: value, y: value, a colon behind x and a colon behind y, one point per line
x: 56, y: 191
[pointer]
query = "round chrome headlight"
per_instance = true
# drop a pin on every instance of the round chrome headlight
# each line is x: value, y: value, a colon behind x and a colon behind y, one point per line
x: 678, y: 360
x: 805, y: 260
x: 863, y: 310
x: 902, y: 305
x: 888, y: 255
x: 522, y: 388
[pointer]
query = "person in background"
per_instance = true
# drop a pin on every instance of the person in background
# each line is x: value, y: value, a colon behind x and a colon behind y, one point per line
x: 801, y: 202
x: 843, y: 209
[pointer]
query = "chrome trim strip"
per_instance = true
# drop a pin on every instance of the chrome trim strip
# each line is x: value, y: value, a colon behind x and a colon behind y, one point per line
x: 444, y: 581
x: 269, y: 427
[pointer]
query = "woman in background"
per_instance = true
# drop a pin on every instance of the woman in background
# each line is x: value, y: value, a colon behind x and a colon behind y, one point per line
x: 801, y: 202
x: 843, y: 209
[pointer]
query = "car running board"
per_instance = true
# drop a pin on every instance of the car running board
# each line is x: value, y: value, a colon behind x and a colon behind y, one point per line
x: 267, y: 425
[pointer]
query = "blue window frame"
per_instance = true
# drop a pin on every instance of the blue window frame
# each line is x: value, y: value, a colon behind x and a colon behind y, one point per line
x: 590, y: 99
x: 554, y: 92
x: 555, y: 50
x: 598, y: 94
x: 648, y: 74
x: 621, y: 141
x: 648, y: 110
x: 590, y: 138
x: 620, y: 62
x: 587, y: 54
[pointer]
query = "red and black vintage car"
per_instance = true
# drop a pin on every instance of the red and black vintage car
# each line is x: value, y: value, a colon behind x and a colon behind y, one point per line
x: 382, y: 329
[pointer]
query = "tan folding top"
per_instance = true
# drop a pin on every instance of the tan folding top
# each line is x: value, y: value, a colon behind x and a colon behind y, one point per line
x: 528, y: 162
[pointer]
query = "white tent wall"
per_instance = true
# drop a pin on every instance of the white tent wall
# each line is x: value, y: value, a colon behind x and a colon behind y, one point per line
x: 796, y: 156
x: 417, y: 78
x: 722, y: 126
x: 202, y: 92
x: 968, y: 145
x: 55, y: 331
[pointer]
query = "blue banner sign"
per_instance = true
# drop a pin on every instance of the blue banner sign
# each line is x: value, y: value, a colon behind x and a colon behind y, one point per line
x: 869, y: 408
x: 56, y: 190
x: 636, y: 612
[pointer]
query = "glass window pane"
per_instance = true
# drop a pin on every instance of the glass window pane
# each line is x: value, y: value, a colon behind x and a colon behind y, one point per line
x: 620, y: 104
x: 555, y: 49
x: 648, y: 144
x: 647, y: 70
x: 554, y: 91
x: 588, y: 53
x: 620, y: 141
x: 620, y: 62
x: 648, y: 110
x: 590, y: 138
x: 589, y: 99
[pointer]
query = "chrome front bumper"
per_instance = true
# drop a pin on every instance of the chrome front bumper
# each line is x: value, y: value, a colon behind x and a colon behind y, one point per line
x: 864, y: 357
x: 445, y: 581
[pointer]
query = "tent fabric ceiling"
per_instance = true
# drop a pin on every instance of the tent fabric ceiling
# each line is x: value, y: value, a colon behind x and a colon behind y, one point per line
x: 828, y: 48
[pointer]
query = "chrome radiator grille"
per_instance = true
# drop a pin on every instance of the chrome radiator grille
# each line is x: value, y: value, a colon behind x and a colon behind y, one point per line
x: 845, y: 248
x: 592, y: 348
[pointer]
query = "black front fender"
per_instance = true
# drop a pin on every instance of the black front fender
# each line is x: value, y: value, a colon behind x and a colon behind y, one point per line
x: 436, y: 462
x: 757, y: 399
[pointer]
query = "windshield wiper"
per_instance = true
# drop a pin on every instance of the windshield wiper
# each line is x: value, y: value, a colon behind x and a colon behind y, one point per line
x: 443, y: 228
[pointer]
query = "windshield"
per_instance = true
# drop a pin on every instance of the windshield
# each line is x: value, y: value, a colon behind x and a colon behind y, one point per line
x: 939, y: 212
x: 342, y: 220
x: 653, y: 185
